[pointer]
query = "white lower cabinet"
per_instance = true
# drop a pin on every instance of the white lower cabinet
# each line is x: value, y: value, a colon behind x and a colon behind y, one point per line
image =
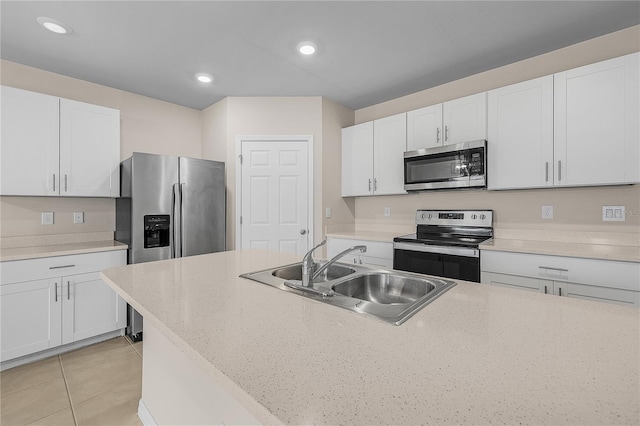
x: 379, y: 254
x: 600, y: 280
x: 49, y: 309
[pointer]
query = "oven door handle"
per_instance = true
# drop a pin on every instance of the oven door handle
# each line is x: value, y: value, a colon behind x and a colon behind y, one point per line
x: 454, y: 251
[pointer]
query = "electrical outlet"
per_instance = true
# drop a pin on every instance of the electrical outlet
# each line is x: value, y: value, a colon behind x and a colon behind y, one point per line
x: 387, y: 211
x: 78, y: 217
x: 47, y: 218
x: 547, y: 212
x: 613, y: 213
x: 327, y: 212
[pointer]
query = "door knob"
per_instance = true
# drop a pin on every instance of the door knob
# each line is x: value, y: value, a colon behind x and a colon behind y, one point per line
x: 303, y: 231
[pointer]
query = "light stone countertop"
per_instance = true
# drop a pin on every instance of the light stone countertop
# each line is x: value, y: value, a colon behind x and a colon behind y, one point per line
x: 34, y: 252
x: 569, y: 249
x: 478, y: 354
x: 385, y: 237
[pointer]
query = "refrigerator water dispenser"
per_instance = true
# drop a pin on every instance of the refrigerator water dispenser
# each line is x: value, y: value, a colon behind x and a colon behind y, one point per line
x: 156, y: 230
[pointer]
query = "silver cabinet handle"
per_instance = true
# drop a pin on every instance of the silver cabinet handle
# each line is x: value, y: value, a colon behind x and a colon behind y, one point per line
x: 369, y: 185
x: 62, y: 266
x: 56, y: 284
x: 68, y: 290
x: 65, y: 183
x: 303, y: 231
x: 546, y: 171
x: 446, y: 133
x: 54, y: 182
x: 559, y: 291
x: 559, y: 170
x: 545, y: 289
x: 375, y: 184
x: 437, y: 135
x: 553, y: 269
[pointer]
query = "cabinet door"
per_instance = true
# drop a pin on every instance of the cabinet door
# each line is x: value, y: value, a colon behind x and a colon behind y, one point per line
x: 424, y: 128
x: 29, y: 317
x: 90, y: 308
x: 89, y: 150
x: 465, y: 119
x: 514, y: 281
x: 596, y: 123
x: 357, y: 160
x: 29, y: 143
x: 389, y: 145
x: 595, y: 293
x: 520, y: 135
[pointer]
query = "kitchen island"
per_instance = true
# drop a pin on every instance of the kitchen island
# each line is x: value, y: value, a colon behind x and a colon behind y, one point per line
x: 478, y: 354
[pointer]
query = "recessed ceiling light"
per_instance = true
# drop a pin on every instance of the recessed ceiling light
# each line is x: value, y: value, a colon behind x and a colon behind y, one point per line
x: 204, y: 78
x: 307, y: 47
x: 54, y: 25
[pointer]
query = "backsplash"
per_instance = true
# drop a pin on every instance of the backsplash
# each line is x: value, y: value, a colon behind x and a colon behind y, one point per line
x: 575, y: 209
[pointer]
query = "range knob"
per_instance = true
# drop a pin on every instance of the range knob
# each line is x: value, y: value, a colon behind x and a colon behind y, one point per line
x: 483, y: 217
x: 423, y: 215
x: 474, y: 216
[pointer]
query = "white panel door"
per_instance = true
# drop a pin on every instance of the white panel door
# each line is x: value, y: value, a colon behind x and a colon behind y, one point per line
x: 596, y: 123
x: 357, y: 160
x: 90, y: 307
x: 389, y: 145
x: 275, y: 197
x: 424, y: 128
x: 465, y: 119
x: 89, y: 150
x: 29, y: 143
x: 521, y: 135
x: 30, y: 315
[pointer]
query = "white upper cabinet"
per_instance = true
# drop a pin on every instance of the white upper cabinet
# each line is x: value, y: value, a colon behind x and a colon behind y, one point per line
x: 52, y: 146
x: 456, y: 121
x: 357, y: 160
x: 89, y: 150
x: 389, y: 145
x: 596, y: 116
x: 29, y: 143
x: 465, y: 119
x: 424, y: 128
x: 373, y: 157
x: 520, y: 142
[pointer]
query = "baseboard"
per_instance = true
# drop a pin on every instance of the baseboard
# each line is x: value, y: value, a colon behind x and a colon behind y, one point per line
x: 145, y: 415
x: 26, y: 359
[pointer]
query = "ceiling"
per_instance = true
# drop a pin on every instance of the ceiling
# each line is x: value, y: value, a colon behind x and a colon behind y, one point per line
x: 368, y: 52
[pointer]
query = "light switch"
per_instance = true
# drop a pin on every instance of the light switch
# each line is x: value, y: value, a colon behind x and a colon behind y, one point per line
x: 547, y: 212
x: 387, y: 211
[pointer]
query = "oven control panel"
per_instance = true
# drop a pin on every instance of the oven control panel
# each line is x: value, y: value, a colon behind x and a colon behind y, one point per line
x: 455, y: 217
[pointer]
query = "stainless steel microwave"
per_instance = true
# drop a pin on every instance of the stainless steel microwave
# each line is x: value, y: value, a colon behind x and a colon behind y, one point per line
x: 460, y: 165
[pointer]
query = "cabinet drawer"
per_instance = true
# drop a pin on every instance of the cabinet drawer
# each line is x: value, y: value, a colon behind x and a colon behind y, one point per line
x: 56, y: 266
x: 603, y: 273
x: 374, y: 248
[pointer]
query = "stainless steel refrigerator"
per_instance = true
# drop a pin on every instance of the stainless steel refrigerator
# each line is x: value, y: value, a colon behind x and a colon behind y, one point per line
x: 169, y: 207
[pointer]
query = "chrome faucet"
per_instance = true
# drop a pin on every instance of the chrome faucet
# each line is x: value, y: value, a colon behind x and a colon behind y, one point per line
x: 308, y: 264
x: 307, y: 280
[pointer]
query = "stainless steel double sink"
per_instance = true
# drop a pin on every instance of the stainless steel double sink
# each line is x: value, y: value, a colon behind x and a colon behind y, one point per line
x: 388, y: 295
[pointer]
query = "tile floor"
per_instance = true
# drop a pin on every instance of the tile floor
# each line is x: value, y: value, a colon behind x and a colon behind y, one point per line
x: 97, y: 385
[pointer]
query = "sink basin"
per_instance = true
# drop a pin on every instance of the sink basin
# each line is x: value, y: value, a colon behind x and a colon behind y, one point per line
x: 384, y: 288
x: 387, y: 295
x: 294, y: 272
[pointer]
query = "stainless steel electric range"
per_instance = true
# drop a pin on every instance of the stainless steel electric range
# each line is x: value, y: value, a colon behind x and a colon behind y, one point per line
x: 445, y: 243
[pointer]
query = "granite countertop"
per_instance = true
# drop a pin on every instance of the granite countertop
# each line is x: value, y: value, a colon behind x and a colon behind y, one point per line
x: 34, y: 252
x: 478, y: 354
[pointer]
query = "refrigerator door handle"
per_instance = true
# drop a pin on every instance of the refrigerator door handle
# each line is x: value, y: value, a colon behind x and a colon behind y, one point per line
x: 183, y: 234
x: 176, y: 213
